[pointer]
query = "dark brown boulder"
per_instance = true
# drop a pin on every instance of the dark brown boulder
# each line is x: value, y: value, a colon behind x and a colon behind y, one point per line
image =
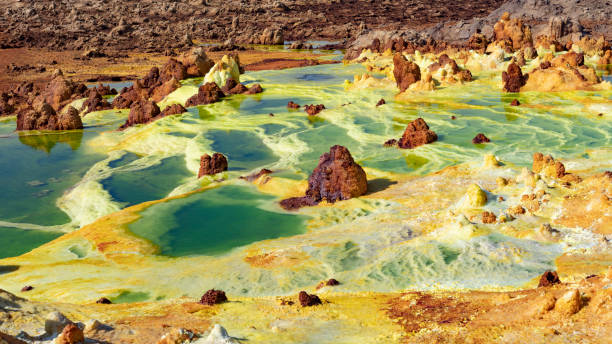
x: 255, y: 176
x: 104, y: 301
x: 515, y: 103
x: 405, y: 72
x: 307, y: 300
x: 480, y: 138
x: 381, y: 102
x: 313, y: 110
x: 71, y: 334
x: 233, y: 87
x: 141, y: 112
x: 213, y: 297
x: 174, y: 109
x: 212, y: 165
x: 292, y: 105
x: 390, y: 143
x: 160, y: 92
x: 478, y: 42
x: 151, y: 79
x: 207, y: 94
x: 513, y: 78
x: 332, y: 282
x: 27, y: 288
x: 127, y: 97
x: 105, y: 90
x: 337, y: 177
x: 254, y: 89
x: 60, y: 91
x: 548, y: 279
x: 69, y: 119
x: 239, y: 89
x: 417, y: 133
x: 95, y: 102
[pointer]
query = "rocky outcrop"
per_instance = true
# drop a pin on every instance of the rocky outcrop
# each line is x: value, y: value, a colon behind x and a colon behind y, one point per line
x: 46, y: 118
x: 196, y: 62
x: 405, y: 72
x: 337, y: 177
x: 478, y: 42
x: 513, y: 31
x: 104, y: 301
x: 141, y: 112
x: 480, y: 138
x: 381, y: 102
x: 549, y: 278
x: 417, y: 133
x: 256, y: 88
x: 207, y: 94
x: 210, y: 165
x: 313, y: 110
x: 95, y: 102
x: 513, y: 78
x: 270, y: 37
x: 71, y: 334
x: 488, y: 217
x: 308, y: 300
x: 174, y: 109
x: 549, y: 167
x: 213, y: 297
x: 447, y: 70
x: 292, y: 105
x: 61, y: 91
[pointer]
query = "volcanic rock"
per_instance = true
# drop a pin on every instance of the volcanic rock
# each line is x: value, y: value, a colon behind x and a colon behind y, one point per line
x: 307, y: 300
x: 417, y: 133
x: 141, y: 112
x: 381, y: 102
x: 95, y: 102
x: 71, y: 334
x: 513, y: 30
x: 390, y: 143
x: 27, y: 288
x: 480, y: 138
x: 478, y: 42
x: 405, y: 72
x: 549, y: 278
x: 207, y: 94
x: 515, y: 102
x: 548, y: 166
x: 212, y: 165
x: 271, y: 37
x: 104, y: 301
x: 292, y: 105
x: 488, y: 217
x: 213, y: 297
x: 255, y: 176
x: 513, y: 78
x: 174, y: 109
x: 254, y: 89
x: 45, y: 118
x: 313, y: 110
x: 172, y: 69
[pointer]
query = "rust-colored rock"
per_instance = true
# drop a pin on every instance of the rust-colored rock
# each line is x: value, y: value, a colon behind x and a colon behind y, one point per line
x: 336, y: 177
x: 390, y: 143
x: 515, y: 102
x: 512, y: 30
x: 548, y: 279
x: 381, y: 102
x: 308, y: 300
x: 478, y: 42
x: 405, y: 72
x: 45, y: 118
x: 255, y: 176
x: 332, y: 282
x: 158, y: 93
x: 60, y: 91
x: 174, y: 109
x: 513, y: 78
x: 292, y: 105
x: 480, y: 138
x: 172, y: 69
x: 254, y: 89
x: 213, y: 297
x: 71, y: 334
x: 104, y: 301
x: 212, y: 165
x: 95, y: 102
x: 548, y: 166
x: 196, y: 62
x: 571, y: 59
x: 27, y: 288
x: 417, y: 133
x: 141, y: 112
x: 313, y: 110
x: 488, y: 217
x: 207, y: 94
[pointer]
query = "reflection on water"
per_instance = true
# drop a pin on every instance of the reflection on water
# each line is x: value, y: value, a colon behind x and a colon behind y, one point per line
x: 47, y: 140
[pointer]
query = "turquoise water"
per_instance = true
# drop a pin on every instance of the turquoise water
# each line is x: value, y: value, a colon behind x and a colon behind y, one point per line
x: 111, y: 170
x: 17, y: 241
x: 214, y: 222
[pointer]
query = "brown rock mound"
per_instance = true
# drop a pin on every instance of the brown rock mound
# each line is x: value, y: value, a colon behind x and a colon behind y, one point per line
x: 549, y: 278
x: 71, y: 334
x: 254, y: 89
x: 207, y: 94
x: 417, y: 133
x: 104, y: 301
x: 292, y: 105
x: 405, y: 72
x: 307, y: 300
x: 212, y: 165
x: 174, y: 109
x: 45, y: 118
x: 336, y: 177
x: 213, y: 297
x: 548, y: 166
x: 512, y: 30
x: 95, y: 102
x: 513, y: 78
x: 313, y: 110
x: 60, y: 91
x: 480, y: 138
x: 141, y: 112
x: 381, y: 102
x: 488, y: 217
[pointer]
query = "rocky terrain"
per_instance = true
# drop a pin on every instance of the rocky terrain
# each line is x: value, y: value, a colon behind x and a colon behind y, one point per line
x: 158, y: 25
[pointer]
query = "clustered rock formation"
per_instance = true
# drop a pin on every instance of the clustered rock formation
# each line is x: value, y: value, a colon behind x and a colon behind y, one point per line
x: 213, y: 297
x: 546, y: 165
x: 337, y: 177
x: 513, y: 78
x: 210, y: 165
x: 313, y: 110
